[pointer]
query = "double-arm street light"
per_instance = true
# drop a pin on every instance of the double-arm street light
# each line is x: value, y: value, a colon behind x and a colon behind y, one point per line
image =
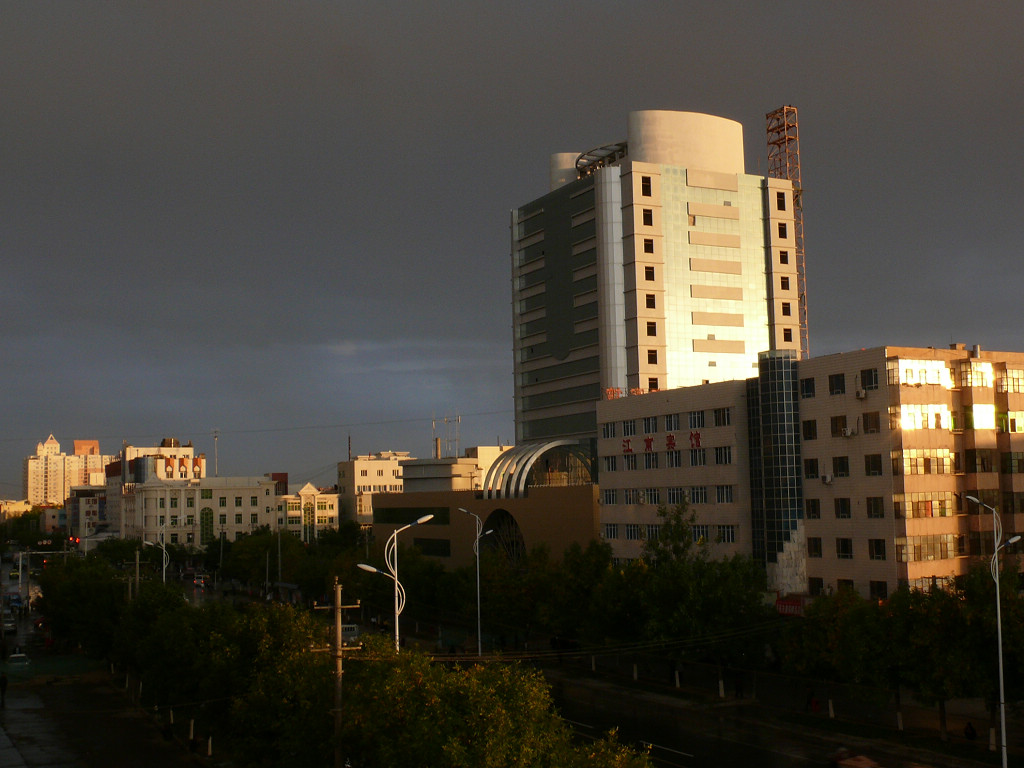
x: 166, y: 557
x: 480, y: 533
x: 997, y: 535
x: 391, y: 561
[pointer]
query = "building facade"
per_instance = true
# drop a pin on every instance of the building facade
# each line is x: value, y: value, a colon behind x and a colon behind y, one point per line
x: 847, y: 471
x: 48, y: 476
x: 308, y: 512
x: 362, y: 477
x: 651, y: 264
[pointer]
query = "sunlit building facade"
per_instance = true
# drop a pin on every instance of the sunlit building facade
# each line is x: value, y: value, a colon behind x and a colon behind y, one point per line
x: 362, y: 477
x: 49, y: 474
x: 842, y: 471
x: 651, y: 264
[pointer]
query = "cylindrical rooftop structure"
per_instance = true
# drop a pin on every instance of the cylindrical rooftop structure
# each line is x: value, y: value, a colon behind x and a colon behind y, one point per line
x: 686, y: 139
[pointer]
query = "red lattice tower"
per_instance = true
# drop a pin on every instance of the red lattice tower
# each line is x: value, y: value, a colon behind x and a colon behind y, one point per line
x: 784, y: 163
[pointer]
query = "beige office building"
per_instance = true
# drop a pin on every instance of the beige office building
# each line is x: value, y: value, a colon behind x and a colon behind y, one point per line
x: 847, y: 470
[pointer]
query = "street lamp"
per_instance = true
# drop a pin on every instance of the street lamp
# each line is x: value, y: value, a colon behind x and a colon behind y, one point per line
x: 391, y: 561
x: 480, y: 533
x: 997, y: 535
x: 166, y: 557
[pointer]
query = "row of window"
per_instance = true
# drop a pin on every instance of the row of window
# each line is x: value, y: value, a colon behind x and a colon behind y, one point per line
x: 871, y: 422
x: 866, y: 380
x: 873, y: 505
x: 721, y: 417
x: 190, y: 502
x: 844, y: 548
x: 879, y: 590
x: 723, y: 534
x: 841, y: 467
x: 695, y: 494
x: 697, y: 457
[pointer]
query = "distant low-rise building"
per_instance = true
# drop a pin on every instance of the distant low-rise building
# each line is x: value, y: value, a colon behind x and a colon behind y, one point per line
x: 308, y: 512
x: 362, y: 477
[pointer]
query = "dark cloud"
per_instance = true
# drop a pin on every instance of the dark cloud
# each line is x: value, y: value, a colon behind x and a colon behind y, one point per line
x: 289, y: 221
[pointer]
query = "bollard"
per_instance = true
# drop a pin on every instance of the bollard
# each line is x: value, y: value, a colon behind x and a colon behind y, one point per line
x: 209, y: 747
x: 191, y: 729
x: 677, y: 678
x: 172, y: 716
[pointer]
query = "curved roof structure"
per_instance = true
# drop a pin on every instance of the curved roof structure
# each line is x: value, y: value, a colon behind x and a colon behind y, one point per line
x: 509, y: 476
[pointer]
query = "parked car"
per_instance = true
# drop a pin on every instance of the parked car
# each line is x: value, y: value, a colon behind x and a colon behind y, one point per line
x: 18, y: 660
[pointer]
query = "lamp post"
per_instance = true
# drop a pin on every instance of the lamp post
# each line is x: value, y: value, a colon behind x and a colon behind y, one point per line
x: 391, y: 561
x: 997, y: 535
x: 166, y: 557
x: 480, y: 533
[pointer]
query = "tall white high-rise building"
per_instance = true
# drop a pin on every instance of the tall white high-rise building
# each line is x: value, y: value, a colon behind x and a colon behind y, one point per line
x: 49, y: 475
x: 651, y: 264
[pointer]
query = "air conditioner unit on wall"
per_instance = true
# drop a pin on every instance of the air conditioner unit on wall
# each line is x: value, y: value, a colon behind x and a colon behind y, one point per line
x: 826, y: 479
x: 848, y: 432
x: 861, y: 394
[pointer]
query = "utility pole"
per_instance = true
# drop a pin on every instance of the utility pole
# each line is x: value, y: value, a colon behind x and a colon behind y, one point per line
x: 339, y: 654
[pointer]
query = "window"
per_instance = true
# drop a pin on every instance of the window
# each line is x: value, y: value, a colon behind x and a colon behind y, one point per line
x: 238, y: 519
x: 649, y: 273
x: 676, y: 495
x: 652, y: 357
x: 869, y: 378
x: 238, y: 501
x: 652, y: 384
x: 648, y: 245
x: 609, y: 495
x: 696, y: 419
x: 698, y: 457
x: 787, y: 334
x: 780, y: 201
x: 629, y: 428
x: 723, y: 454
x: 161, y: 502
x: 190, y: 520
x: 634, y: 532
x: 652, y: 495
x: 174, y: 502
x: 873, y: 465
x: 809, y: 429
x: 813, y: 546
x: 652, y: 328
x: 222, y: 519
x: 879, y: 590
x: 872, y: 423
x: 783, y: 257
x: 206, y: 493
x: 726, y: 534
x: 838, y: 425
x: 174, y: 538
x: 723, y: 494
x: 650, y: 461
x: 650, y: 424
x: 875, y: 507
x: 699, y: 533
x: 815, y: 586
x: 645, y: 186
x: 806, y: 388
x: 842, y: 506
x: 673, y: 459
x: 611, y: 530
x: 723, y: 416
x: 699, y: 494
x: 876, y: 549
x: 784, y: 283
x: 842, y: 584
x: 837, y: 384
x: 812, y: 509
x: 810, y: 469
x: 253, y: 501
x: 254, y: 518
x: 222, y: 501
x: 841, y: 466
x: 672, y: 422
x: 783, y: 230
x: 844, y: 549
x: 787, y: 309
x: 648, y: 217
x: 631, y: 495
x: 608, y: 429
x: 611, y: 463
x: 629, y: 462
x: 190, y: 502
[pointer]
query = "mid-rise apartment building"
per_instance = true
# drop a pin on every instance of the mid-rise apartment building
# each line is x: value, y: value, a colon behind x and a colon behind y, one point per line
x: 308, y: 512
x: 47, y: 476
x: 363, y: 476
x: 653, y: 263
x: 847, y: 470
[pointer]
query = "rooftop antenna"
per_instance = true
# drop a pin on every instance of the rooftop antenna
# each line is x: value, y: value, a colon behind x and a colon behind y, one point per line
x: 216, y: 435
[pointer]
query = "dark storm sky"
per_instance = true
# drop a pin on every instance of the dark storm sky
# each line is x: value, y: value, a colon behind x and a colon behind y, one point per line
x: 289, y: 220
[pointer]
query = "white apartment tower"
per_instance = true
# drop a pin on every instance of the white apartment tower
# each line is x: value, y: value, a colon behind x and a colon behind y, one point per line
x: 651, y: 264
